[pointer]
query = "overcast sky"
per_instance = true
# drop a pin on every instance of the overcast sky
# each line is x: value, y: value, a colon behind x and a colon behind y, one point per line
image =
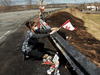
x: 21, y: 2
x: 63, y: 1
x: 73, y: 1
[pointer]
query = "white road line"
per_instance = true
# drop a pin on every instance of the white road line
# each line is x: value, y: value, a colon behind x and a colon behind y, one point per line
x: 1, y: 37
x: 5, y: 34
x: 8, y: 32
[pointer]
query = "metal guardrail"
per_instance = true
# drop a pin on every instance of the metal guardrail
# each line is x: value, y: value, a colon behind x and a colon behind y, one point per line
x: 78, y: 61
x: 91, y: 12
x: 55, y: 10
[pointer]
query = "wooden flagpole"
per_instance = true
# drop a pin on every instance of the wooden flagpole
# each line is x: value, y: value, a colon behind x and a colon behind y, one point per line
x: 58, y: 29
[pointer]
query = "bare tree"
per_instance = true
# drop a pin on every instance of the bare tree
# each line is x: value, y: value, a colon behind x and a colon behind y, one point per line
x: 41, y: 2
x: 30, y: 3
x: 6, y: 4
x: 96, y: 3
x: 82, y: 6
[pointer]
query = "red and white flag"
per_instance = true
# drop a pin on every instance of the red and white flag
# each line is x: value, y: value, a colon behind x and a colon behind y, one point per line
x: 42, y: 7
x: 68, y: 25
x: 43, y: 23
x: 38, y: 19
x: 39, y: 25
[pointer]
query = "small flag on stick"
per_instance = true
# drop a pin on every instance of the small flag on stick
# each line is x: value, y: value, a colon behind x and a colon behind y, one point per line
x: 68, y: 25
x: 42, y: 22
x: 42, y: 7
x: 38, y: 19
x: 39, y: 25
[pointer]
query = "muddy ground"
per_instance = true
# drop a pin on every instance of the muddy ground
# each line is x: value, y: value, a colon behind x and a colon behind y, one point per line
x: 80, y: 39
x: 11, y: 57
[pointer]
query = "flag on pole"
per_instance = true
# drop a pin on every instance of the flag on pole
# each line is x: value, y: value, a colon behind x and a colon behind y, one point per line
x: 42, y: 7
x: 68, y: 25
x: 38, y: 19
x: 39, y: 25
x: 43, y: 23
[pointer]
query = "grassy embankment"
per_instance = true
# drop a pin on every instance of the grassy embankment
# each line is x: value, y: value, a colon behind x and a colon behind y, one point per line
x: 92, y: 21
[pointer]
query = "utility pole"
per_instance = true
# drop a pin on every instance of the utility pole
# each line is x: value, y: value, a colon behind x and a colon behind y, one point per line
x: 41, y: 2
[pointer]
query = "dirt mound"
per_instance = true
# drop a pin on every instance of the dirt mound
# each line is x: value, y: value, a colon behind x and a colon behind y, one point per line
x: 80, y: 39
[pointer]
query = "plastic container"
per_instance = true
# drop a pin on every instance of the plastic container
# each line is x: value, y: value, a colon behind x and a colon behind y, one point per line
x: 49, y: 72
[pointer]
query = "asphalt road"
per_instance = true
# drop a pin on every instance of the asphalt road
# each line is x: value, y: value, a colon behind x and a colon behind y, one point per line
x: 9, y: 22
x: 11, y: 57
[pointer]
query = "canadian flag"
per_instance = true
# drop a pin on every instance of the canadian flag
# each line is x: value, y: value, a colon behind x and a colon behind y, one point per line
x: 68, y: 25
x: 38, y: 19
x: 42, y: 7
x: 43, y: 23
x: 39, y: 25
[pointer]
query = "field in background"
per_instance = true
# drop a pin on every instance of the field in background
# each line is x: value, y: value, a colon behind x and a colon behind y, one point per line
x: 86, y: 38
x: 92, y: 21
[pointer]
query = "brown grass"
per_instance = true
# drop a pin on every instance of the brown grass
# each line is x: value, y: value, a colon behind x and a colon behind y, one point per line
x: 86, y: 43
x: 92, y: 21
